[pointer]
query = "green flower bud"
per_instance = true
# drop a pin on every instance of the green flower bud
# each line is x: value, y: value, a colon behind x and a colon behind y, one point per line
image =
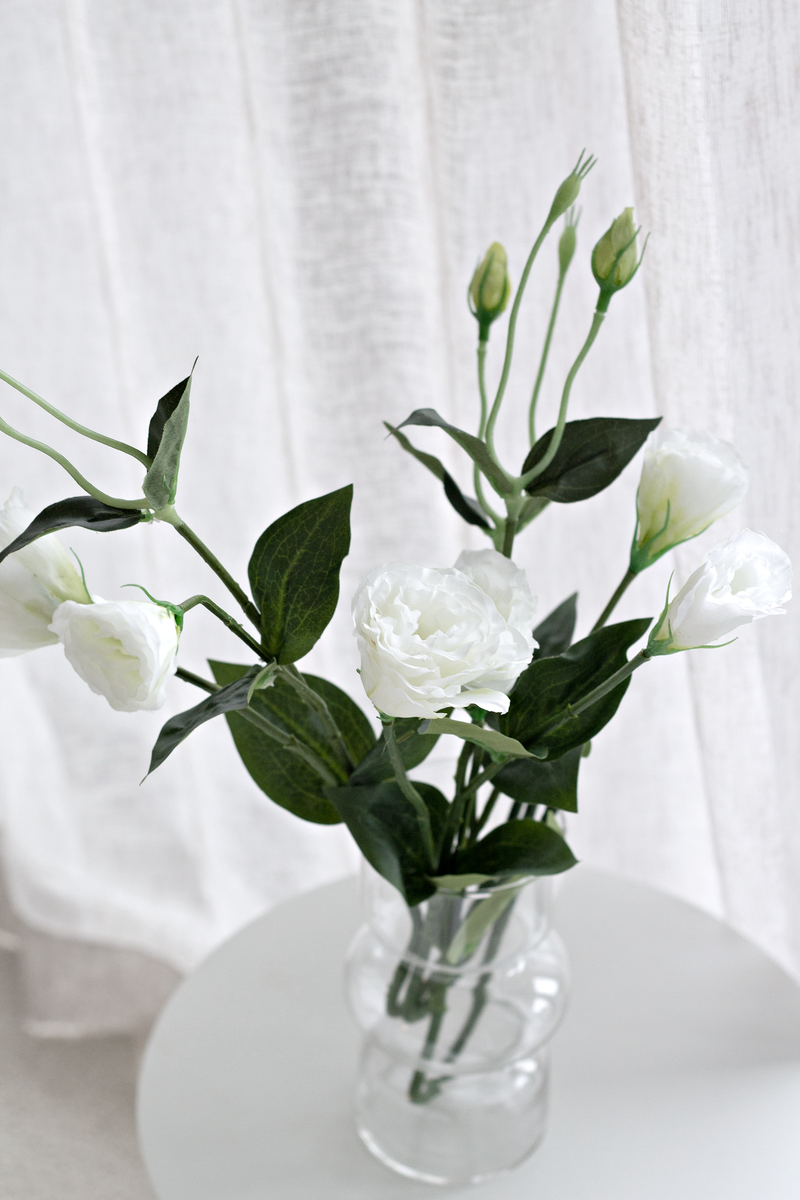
x: 566, y: 247
x: 490, y: 288
x: 567, y: 194
x: 615, y: 258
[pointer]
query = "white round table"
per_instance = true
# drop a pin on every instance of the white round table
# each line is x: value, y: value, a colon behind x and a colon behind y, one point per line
x: 676, y: 1074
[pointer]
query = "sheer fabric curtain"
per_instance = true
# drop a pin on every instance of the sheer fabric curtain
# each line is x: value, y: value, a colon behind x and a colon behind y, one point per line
x: 297, y: 191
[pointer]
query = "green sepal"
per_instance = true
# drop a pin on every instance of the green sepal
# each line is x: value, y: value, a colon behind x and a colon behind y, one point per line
x: 294, y: 573
x: 384, y: 826
x: 165, y: 443
x: 518, y: 848
x: 591, y: 455
x: 375, y: 767
x: 83, y: 511
x: 546, y: 689
x: 553, y: 783
x: 286, y: 779
x: 474, y: 447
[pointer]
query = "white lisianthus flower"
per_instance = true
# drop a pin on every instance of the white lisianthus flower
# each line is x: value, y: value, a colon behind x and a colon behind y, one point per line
x: 740, y: 580
x: 434, y: 638
x: 124, y: 649
x: 689, y: 480
x: 34, y: 581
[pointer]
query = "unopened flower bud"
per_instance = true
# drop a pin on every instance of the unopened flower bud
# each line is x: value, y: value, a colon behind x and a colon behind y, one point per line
x: 567, y: 194
x: 490, y: 288
x: 615, y: 257
x: 566, y: 247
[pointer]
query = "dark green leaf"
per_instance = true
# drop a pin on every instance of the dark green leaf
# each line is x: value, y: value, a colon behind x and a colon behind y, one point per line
x: 554, y: 634
x: 294, y: 573
x: 590, y: 457
x: 516, y: 848
x: 548, y: 685
x: 465, y: 506
x: 78, y: 510
x: 384, y: 826
x: 414, y: 749
x: 474, y: 447
x: 232, y: 696
x: 553, y: 782
x: 164, y: 410
x: 169, y: 427
x: 285, y: 778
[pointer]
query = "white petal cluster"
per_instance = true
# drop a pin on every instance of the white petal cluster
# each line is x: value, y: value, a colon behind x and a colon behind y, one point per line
x: 34, y: 581
x: 693, y: 477
x: 740, y: 580
x: 433, y: 638
x: 125, y: 649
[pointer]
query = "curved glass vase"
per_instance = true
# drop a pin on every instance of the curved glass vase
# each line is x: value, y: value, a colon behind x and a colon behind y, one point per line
x: 458, y: 998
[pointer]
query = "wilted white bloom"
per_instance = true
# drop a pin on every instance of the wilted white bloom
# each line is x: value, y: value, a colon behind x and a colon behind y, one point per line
x: 739, y: 580
x: 689, y: 479
x: 432, y: 639
x: 33, y: 582
x: 124, y: 649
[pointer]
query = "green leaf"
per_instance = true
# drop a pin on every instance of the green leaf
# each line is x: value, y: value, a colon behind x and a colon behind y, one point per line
x: 414, y: 748
x: 383, y: 823
x: 166, y: 436
x: 548, y: 685
x: 474, y: 447
x: 294, y: 573
x: 457, y: 883
x: 498, y: 745
x: 554, y: 634
x: 84, y: 511
x: 465, y: 506
x: 286, y: 779
x: 554, y: 782
x: 232, y: 696
x: 591, y: 455
x: 517, y: 848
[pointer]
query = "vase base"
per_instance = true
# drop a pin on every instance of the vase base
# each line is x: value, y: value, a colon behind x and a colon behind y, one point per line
x: 419, y: 1176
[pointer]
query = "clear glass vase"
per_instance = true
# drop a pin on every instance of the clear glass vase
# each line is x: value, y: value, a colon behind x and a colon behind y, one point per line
x: 458, y: 999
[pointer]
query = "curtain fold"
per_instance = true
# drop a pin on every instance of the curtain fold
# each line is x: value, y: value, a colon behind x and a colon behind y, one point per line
x: 298, y: 191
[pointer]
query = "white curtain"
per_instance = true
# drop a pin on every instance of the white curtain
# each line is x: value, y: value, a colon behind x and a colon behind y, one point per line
x: 297, y: 191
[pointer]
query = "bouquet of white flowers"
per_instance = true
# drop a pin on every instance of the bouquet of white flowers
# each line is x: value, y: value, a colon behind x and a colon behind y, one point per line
x: 445, y: 652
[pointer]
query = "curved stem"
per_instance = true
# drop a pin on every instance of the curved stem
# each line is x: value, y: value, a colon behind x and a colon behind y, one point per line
x: 543, y: 361
x: 512, y: 325
x: 226, y: 619
x: 240, y: 595
x: 411, y: 794
x: 113, y: 501
x: 82, y: 429
x: 622, y: 587
x: 487, y: 508
x: 558, y: 433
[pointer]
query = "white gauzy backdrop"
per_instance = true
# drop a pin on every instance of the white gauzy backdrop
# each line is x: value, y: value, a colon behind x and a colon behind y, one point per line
x: 297, y: 191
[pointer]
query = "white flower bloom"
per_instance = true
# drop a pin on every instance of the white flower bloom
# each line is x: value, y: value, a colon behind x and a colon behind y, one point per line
x: 433, y: 639
x: 33, y: 582
x: 695, y: 477
x: 124, y: 649
x: 739, y: 580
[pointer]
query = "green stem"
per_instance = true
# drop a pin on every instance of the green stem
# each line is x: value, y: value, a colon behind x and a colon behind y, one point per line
x: 113, y: 501
x: 197, y: 680
x: 411, y: 794
x: 82, y: 429
x: 479, y: 492
x: 484, y: 817
x: 226, y: 619
x: 624, y: 584
x: 318, y: 706
x: 512, y: 325
x: 171, y: 517
x: 543, y: 360
x: 484, y: 777
x: 510, y: 533
x: 574, y: 710
x: 558, y: 433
